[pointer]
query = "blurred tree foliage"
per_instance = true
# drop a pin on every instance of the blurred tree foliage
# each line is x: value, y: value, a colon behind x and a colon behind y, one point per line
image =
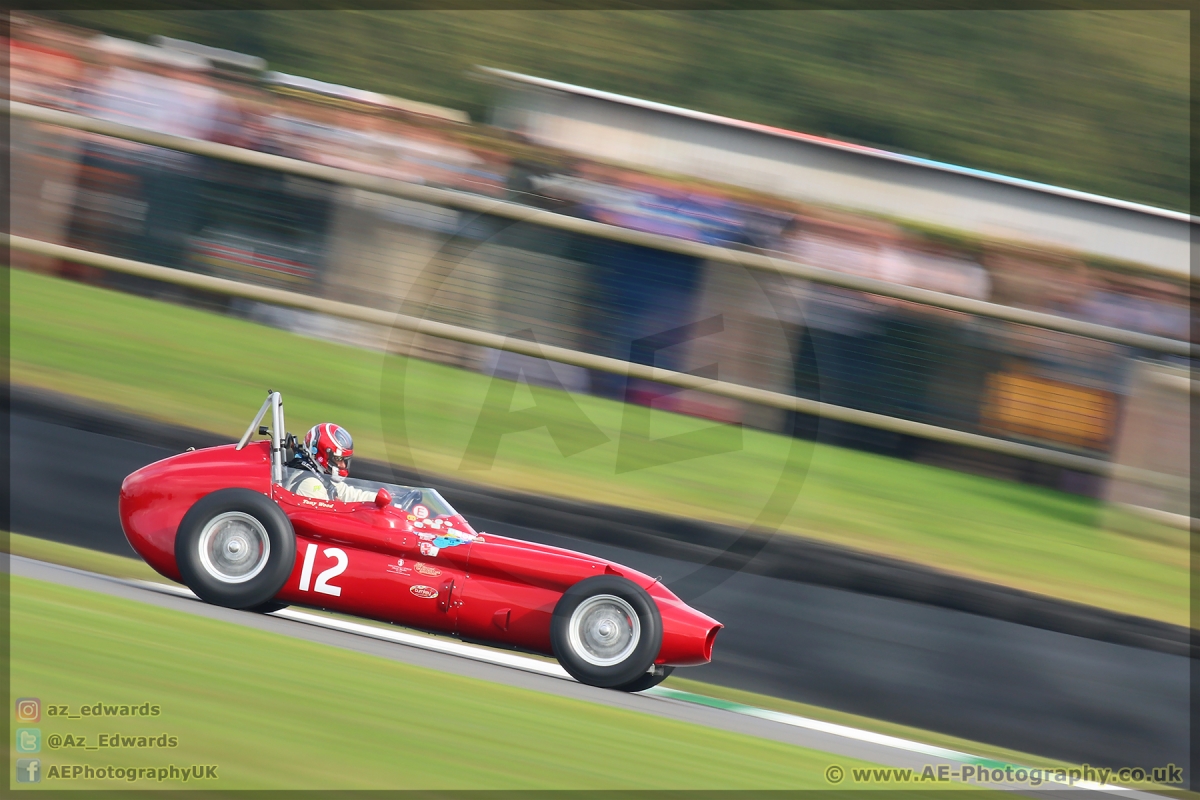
x: 1092, y: 100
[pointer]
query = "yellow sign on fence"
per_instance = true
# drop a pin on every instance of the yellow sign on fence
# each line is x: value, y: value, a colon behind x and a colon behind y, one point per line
x: 1028, y: 405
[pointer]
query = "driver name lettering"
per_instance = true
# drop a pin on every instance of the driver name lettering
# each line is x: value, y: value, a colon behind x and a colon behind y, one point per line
x: 308, y: 501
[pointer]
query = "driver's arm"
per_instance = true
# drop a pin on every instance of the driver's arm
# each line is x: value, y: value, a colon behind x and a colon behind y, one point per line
x: 352, y: 494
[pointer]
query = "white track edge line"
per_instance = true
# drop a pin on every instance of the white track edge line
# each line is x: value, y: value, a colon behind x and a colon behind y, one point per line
x: 411, y: 640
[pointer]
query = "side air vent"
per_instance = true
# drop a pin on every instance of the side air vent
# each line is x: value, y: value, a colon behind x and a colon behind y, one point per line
x: 501, y: 617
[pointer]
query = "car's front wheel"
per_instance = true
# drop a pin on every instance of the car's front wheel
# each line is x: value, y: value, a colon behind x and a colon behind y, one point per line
x: 606, y: 631
x: 235, y: 548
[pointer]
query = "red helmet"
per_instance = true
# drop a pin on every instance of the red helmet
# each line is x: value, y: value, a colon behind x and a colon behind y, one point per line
x: 331, y: 447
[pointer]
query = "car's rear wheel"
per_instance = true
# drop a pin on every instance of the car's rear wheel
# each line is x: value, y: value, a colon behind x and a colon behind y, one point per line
x: 235, y: 548
x: 606, y: 631
x: 648, y: 680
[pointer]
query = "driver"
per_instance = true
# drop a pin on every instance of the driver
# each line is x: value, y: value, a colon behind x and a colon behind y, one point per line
x: 326, y: 453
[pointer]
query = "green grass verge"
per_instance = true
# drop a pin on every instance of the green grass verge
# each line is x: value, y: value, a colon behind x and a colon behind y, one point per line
x: 81, y: 558
x: 277, y: 712
x: 188, y: 366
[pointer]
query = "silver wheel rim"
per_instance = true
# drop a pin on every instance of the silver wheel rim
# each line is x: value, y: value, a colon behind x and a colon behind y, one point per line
x: 234, y: 547
x: 604, y: 630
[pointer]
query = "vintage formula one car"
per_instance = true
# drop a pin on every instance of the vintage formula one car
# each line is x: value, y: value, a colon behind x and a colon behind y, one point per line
x: 223, y: 521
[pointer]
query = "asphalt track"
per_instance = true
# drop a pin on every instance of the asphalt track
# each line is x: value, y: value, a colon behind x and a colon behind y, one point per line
x: 1024, y: 688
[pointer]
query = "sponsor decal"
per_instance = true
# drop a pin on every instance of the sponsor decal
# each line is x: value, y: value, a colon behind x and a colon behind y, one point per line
x: 411, y: 518
x: 448, y: 541
x: 426, y: 536
x: 426, y: 570
x: 399, y: 568
x: 437, y: 523
x: 425, y: 592
x: 427, y: 549
x: 421, y: 511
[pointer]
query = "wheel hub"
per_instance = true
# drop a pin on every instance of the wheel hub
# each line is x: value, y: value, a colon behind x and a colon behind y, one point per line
x: 604, y: 630
x: 234, y: 547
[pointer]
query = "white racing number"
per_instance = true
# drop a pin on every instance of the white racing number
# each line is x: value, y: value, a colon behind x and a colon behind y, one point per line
x: 323, y: 585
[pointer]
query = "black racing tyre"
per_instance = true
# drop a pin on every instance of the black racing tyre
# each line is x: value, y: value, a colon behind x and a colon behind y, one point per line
x: 648, y: 680
x: 235, y: 548
x: 268, y: 607
x: 606, y: 631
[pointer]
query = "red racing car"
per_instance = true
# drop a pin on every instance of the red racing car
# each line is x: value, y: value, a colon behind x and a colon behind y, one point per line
x: 223, y: 521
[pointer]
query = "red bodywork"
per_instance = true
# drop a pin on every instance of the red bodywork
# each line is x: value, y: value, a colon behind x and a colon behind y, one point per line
x: 360, y: 559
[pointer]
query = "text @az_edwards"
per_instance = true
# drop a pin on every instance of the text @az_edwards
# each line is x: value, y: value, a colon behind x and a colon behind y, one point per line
x: 110, y: 741
x: 1170, y: 775
x: 85, y: 710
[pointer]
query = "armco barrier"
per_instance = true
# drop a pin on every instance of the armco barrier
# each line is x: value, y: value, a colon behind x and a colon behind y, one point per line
x: 614, y: 366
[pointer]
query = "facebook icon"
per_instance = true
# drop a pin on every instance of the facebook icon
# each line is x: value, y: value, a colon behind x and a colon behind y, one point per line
x: 29, y: 770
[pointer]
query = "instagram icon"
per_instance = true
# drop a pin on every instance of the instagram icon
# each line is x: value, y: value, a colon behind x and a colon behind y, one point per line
x: 29, y: 709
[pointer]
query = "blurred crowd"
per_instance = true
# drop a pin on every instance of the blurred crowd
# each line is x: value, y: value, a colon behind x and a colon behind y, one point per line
x: 883, y: 355
x: 206, y: 93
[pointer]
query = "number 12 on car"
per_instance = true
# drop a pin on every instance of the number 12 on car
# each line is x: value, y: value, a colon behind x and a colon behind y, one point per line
x: 322, y: 585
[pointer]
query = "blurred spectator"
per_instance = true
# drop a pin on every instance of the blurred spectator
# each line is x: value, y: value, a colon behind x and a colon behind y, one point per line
x: 153, y: 88
x: 135, y: 200
x: 44, y: 71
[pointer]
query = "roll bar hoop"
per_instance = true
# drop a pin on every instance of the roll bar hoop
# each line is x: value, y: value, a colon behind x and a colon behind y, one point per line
x: 274, y: 402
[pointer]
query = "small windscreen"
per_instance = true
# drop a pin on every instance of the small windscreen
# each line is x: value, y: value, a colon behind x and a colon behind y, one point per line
x: 421, y: 503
